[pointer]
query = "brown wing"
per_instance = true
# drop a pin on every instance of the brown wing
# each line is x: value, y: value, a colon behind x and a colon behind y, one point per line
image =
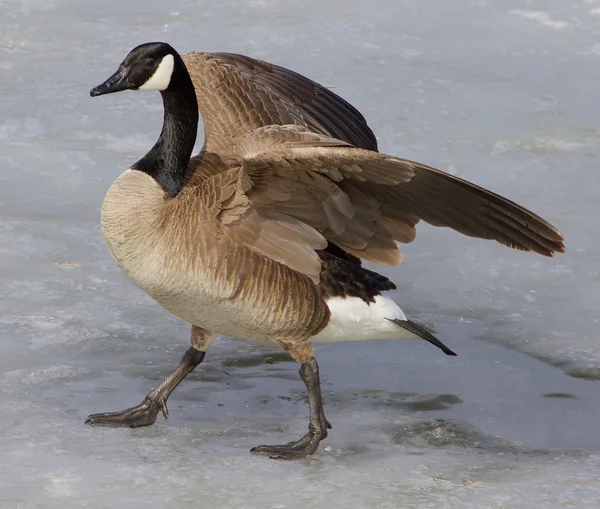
x: 344, y: 201
x: 363, y: 201
x: 238, y: 93
x: 445, y: 200
x: 286, y: 192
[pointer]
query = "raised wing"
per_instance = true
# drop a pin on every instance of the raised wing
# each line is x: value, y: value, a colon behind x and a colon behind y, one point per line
x: 363, y: 201
x: 286, y: 192
x: 237, y: 94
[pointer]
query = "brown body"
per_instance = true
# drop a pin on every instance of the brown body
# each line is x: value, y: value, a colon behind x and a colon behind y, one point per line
x: 205, y: 278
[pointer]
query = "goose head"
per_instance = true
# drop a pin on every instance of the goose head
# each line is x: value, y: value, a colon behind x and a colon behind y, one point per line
x: 150, y: 66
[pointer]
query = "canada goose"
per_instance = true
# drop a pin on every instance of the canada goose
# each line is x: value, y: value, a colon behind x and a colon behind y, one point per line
x: 260, y: 236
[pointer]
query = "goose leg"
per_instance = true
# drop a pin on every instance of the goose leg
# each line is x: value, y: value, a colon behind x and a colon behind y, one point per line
x: 317, y: 424
x: 146, y: 412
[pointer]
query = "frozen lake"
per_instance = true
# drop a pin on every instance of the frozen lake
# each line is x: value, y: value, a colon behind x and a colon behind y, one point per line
x: 502, y: 92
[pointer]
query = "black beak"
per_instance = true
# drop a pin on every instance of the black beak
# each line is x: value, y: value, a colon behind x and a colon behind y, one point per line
x: 116, y: 83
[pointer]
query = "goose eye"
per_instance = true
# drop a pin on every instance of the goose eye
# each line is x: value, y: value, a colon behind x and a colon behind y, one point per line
x: 150, y: 61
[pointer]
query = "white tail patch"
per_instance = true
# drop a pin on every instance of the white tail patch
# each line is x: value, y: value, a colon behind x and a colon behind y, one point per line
x: 162, y: 76
x: 352, y: 319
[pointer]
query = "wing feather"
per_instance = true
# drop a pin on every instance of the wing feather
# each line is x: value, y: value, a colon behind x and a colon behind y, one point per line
x: 309, y: 157
x: 366, y: 196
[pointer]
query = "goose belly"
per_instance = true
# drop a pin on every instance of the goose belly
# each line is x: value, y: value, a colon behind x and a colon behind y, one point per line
x: 202, y: 298
x: 220, y: 309
x: 198, y: 295
x: 219, y: 315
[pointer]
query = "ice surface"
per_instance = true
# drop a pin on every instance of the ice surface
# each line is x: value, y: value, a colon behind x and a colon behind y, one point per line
x: 504, y: 93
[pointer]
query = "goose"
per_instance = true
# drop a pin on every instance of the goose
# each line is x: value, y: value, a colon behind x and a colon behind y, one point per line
x: 261, y: 235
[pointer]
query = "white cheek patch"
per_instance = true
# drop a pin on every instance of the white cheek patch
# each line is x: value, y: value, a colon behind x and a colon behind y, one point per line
x: 162, y: 76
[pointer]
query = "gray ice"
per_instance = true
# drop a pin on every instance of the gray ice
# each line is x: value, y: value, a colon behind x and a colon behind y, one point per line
x: 501, y: 92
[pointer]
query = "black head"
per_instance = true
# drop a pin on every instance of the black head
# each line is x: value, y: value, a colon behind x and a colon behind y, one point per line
x: 149, y: 66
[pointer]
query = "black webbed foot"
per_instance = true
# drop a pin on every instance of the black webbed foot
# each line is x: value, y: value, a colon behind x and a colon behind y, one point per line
x: 143, y: 414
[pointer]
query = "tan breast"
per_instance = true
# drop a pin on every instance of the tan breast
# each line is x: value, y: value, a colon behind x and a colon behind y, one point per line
x: 174, y: 251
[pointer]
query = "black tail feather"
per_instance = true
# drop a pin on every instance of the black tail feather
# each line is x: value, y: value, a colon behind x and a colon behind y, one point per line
x: 422, y: 333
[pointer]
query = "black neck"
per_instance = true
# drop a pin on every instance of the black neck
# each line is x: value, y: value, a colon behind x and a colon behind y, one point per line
x: 167, y: 162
